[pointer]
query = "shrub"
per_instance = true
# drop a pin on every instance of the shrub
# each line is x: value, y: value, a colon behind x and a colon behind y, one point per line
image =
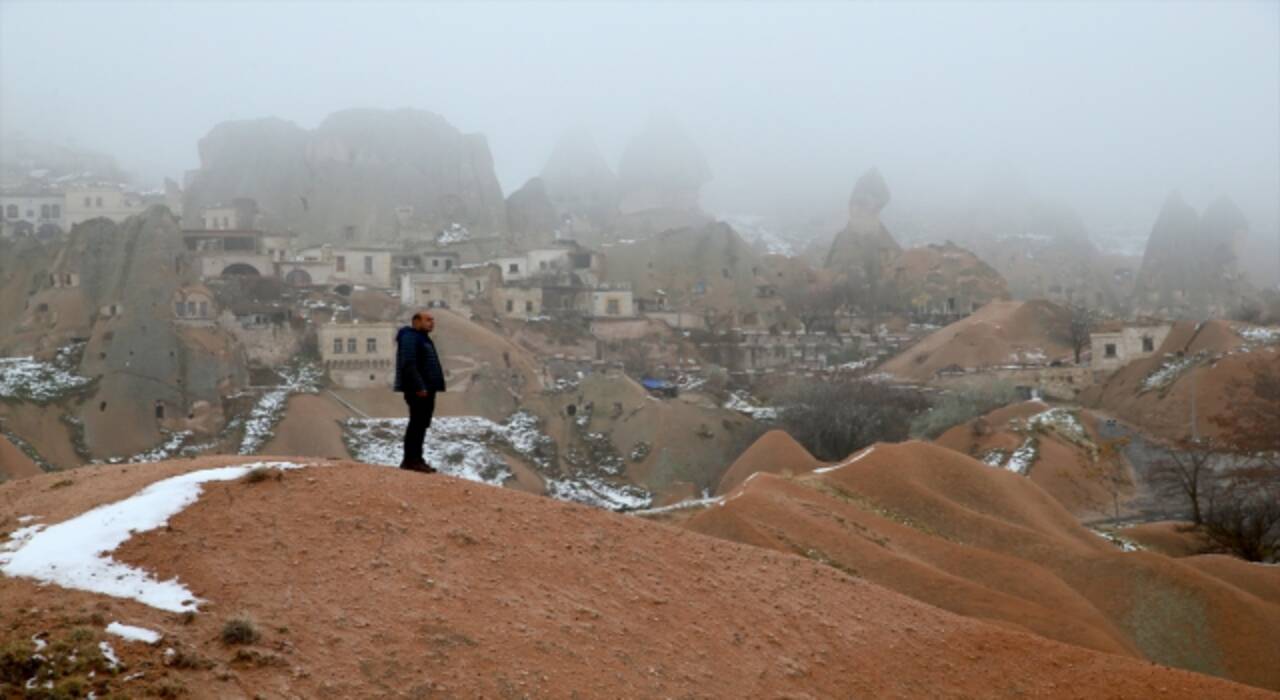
x: 956, y: 407
x: 833, y: 419
x: 239, y: 630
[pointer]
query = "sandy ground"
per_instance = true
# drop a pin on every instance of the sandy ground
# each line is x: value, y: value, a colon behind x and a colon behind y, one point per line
x: 14, y: 464
x: 1166, y: 412
x: 371, y: 582
x: 993, y: 335
x: 776, y: 452
x: 42, y: 427
x: 949, y: 531
x: 1067, y: 471
x: 310, y: 428
x: 1172, y: 539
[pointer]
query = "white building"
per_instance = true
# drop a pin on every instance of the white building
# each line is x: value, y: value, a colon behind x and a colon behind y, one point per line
x: 612, y: 303
x: 85, y: 202
x: 359, y: 355
x: 1115, y: 345
x: 363, y: 265
x: 433, y: 289
x: 30, y: 212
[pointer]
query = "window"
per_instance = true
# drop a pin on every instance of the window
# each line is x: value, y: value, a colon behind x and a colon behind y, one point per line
x: 368, y: 264
x: 191, y: 308
x: 11, y: 211
x: 337, y: 346
x: 448, y: 264
x: 1148, y: 344
x: 612, y: 307
x: 514, y: 268
x: 511, y: 306
x: 44, y: 211
x: 435, y: 262
x: 98, y: 202
x: 351, y: 346
x: 204, y: 309
x: 528, y: 307
x: 87, y: 202
x: 340, y: 263
x: 1110, y: 350
x: 159, y: 411
x: 542, y: 265
x: 178, y: 308
x: 477, y: 285
x: 371, y: 345
x: 56, y: 210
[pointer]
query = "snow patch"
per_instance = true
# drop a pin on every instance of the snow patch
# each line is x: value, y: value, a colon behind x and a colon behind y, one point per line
x: 133, y: 634
x: 299, y: 379
x: 851, y: 460
x: 741, y: 402
x: 1022, y: 458
x: 76, y: 553
x: 109, y: 654
x: 682, y: 505
x: 1169, y: 371
x: 28, y: 379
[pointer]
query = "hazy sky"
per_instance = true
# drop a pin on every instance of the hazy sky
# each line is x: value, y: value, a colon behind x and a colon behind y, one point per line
x: 1104, y: 106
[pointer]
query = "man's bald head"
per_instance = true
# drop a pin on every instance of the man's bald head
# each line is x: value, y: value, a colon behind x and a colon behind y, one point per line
x: 423, y: 321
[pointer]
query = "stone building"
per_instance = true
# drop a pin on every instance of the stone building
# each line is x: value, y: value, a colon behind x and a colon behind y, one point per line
x: 1115, y: 345
x: 433, y: 289
x: 86, y: 202
x: 359, y: 355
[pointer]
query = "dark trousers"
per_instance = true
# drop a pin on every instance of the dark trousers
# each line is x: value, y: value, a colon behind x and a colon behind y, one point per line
x: 421, y: 409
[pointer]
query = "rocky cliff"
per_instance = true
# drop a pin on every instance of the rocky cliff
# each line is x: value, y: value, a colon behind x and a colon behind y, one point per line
x: 662, y: 168
x: 865, y: 242
x: 580, y: 182
x: 363, y: 174
x: 1189, y: 268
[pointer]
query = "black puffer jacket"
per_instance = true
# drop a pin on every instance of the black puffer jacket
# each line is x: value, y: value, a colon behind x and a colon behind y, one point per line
x: 417, y: 364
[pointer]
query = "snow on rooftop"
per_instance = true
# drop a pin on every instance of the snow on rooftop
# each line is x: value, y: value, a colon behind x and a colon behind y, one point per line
x: 133, y: 634
x: 76, y: 553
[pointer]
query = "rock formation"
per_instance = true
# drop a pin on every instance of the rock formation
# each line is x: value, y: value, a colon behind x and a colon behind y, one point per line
x: 706, y: 268
x: 935, y: 279
x: 864, y: 244
x: 662, y: 168
x: 1189, y: 269
x: 361, y: 175
x: 531, y: 216
x: 580, y: 182
x: 941, y: 279
x: 111, y: 286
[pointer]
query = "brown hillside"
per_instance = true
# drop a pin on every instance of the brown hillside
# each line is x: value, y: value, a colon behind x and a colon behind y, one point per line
x: 776, y: 452
x: 1216, y: 356
x: 14, y: 464
x: 983, y: 542
x: 1065, y: 466
x: 1000, y: 333
x: 367, y: 581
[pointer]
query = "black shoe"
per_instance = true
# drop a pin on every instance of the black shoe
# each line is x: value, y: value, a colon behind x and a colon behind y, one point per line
x: 419, y: 467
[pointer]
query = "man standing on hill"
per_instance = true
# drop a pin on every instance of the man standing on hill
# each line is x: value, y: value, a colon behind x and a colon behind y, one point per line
x: 419, y: 377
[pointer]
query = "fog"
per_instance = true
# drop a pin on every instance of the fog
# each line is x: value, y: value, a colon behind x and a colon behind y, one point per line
x: 1105, y: 107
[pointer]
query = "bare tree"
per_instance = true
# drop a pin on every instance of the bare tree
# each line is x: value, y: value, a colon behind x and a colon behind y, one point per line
x: 1185, y: 472
x: 1108, y: 469
x: 1080, y: 326
x: 812, y: 303
x: 832, y: 419
x: 1243, y: 513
